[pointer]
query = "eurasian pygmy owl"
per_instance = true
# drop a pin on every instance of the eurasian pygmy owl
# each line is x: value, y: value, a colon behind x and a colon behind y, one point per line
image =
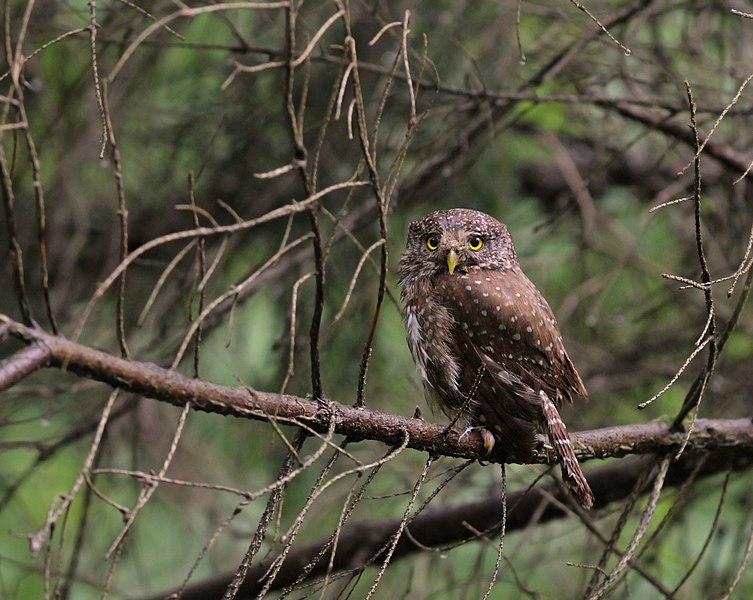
x: 484, y: 340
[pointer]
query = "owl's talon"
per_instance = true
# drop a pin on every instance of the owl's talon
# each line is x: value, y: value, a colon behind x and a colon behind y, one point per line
x: 488, y: 438
x: 486, y: 435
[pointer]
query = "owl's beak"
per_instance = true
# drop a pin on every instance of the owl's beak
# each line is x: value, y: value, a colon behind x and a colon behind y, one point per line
x: 452, y: 260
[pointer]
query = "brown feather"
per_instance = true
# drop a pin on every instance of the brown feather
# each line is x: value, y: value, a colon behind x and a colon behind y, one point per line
x: 485, y: 341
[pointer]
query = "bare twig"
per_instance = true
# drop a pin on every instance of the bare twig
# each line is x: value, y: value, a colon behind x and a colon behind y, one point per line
x: 186, y: 13
x: 261, y: 528
x: 37, y: 539
x: 199, y: 232
x: 502, y: 531
x: 743, y: 563
x: 404, y: 522
x: 695, y: 395
x: 447, y: 526
x: 624, y: 561
x: 590, y: 15
x: 108, y: 134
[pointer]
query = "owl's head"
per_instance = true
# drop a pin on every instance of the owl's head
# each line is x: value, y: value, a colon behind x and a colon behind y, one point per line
x: 456, y: 240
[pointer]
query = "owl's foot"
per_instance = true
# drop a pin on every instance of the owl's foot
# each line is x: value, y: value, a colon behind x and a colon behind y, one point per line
x: 488, y: 438
x: 486, y: 435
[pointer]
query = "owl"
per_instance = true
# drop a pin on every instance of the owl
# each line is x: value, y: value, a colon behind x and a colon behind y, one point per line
x: 485, y: 342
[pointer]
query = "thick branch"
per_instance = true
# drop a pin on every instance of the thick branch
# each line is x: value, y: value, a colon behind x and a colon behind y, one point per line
x: 723, y: 153
x: 152, y: 381
x: 362, y: 543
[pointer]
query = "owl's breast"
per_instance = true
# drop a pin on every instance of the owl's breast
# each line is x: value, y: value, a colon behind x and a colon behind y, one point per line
x: 429, y: 331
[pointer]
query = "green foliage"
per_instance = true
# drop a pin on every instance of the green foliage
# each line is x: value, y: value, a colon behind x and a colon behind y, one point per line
x: 546, y: 144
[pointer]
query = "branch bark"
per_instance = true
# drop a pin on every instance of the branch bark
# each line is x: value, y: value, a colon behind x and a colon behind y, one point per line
x: 357, y: 424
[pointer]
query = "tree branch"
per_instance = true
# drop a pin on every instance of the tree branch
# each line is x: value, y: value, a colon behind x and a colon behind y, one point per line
x: 363, y: 543
x: 357, y: 424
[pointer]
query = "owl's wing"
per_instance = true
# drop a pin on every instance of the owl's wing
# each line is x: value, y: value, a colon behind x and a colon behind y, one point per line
x: 512, y: 327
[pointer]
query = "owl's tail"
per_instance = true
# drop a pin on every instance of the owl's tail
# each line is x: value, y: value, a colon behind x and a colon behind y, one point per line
x: 563, y: 447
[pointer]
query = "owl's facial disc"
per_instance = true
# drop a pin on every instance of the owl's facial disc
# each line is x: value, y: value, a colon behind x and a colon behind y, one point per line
x: 458, y: 249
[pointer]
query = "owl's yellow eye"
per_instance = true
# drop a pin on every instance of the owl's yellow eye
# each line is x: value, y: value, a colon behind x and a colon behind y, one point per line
x: 475, y: 242
x: 432, y: 243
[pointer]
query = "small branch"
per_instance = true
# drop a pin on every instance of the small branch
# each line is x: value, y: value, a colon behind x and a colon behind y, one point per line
x: 95, y: 72
x: 38, y: 539
x: 190, y: 234
x: 185, y: 13
x: 261, y: 528
x: 723, y: 154
x: 22, y: 364
x: 695, y: 395
x: 604, y: 30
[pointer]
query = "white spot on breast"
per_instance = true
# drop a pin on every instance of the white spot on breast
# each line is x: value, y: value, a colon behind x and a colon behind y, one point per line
x: 468, y: 288
x: 516, y: 336
x: 483, y: 313
x: 529, y: 329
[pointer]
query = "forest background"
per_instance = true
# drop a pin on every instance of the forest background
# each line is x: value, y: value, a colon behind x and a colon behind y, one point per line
x: 205, y: 387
